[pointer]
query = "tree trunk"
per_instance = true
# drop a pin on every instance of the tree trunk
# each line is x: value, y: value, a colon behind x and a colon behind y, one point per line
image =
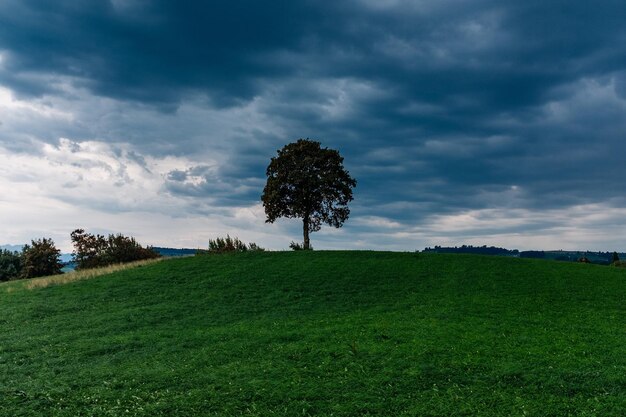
x: 305, y: 230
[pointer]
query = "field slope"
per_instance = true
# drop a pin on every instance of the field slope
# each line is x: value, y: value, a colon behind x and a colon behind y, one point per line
x: 320, y: 333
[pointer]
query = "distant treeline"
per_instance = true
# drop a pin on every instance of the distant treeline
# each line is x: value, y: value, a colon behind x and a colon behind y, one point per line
x: 603, y: 258
x: 169, y: 252
x: 479, y: 250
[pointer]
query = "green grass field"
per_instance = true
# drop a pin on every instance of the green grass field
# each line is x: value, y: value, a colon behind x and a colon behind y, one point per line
x: 320, y: 333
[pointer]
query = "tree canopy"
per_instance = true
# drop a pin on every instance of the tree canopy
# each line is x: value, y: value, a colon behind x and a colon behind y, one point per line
x: 309, y: 182
x: 41, y: 258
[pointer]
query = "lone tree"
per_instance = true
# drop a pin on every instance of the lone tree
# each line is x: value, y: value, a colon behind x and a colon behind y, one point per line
x: 308, y: 182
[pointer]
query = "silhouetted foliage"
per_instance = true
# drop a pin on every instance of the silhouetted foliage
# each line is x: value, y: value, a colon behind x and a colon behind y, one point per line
x: 41, y: 258
x: 92, y: 251
x: 480, y: 250
x: 10, y: 265
x: 174, y: 252
x: 298, y: 246
x: 614, y: 258
x: 533, y: 254
x: 309, y: 182
x: 598, y: 258
x: 253, y: 247
x: 88, y: 249
x: 230, y: 244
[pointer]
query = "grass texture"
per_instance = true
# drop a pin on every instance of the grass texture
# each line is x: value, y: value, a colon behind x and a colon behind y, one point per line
x: 319, y: 333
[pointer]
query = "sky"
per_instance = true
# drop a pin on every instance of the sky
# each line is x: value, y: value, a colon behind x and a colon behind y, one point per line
x: 464, y: 122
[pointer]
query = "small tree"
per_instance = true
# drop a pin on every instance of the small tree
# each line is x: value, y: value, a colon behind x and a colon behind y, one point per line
x: 10, y: 265
x: 615, y: 258
x: 309, y: 182
x: 41, y: 258
x: 88, y: 249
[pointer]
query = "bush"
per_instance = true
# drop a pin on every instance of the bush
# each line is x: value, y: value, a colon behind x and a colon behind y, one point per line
x: 88, y: 249
x: 299, y: 246
x: 41, y: 258
x: 122, y: 249
x: 92, y: 251
x: 229, y: 244
x: 10, y: 265
x: 253, y: 247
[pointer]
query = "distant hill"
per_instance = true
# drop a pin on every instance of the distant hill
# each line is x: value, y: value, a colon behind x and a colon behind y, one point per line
x: 601, y: 258
x: 12, y: 248
x: 174, y: 252
x: 65, y: 257
x: 476, y: 250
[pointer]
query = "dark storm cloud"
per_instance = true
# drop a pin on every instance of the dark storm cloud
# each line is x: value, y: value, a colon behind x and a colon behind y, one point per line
x: 438, y: 107
x: 492, y: 54
x: 147, y: 51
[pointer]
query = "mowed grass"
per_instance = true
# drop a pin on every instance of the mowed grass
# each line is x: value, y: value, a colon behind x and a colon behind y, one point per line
x: 320, y: 333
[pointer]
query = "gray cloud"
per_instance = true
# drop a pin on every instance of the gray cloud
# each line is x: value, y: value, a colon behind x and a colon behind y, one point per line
x: 439, y: 108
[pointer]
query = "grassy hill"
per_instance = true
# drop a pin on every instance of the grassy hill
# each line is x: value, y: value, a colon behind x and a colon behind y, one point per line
x: 320, y: 333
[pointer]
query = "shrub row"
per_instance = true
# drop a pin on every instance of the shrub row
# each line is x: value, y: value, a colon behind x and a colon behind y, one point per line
x: 299, y: 246
x: 38, y: 259
x: 42, y: 258
x: 230, y: 244
x: 93, y: 251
